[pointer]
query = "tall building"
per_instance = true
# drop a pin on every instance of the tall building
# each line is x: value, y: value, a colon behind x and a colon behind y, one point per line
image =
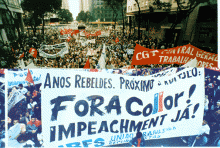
x: 8, y: 32
x: 102, y: 12
x: 65, y: 4
x: 85, y: 5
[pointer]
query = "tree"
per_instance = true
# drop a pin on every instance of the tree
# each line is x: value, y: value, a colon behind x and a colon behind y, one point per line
x: 66, y: 15
x: 115, y: 6
x: 183, y: 11
x: 81, y: 16
x: 38, y: 8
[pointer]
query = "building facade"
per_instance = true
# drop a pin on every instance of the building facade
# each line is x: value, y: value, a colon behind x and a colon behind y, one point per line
x: 85, y: 5
x: 8, y: 31
x: 162, y: 24
x: 104, y: 13
x: 65, y: 4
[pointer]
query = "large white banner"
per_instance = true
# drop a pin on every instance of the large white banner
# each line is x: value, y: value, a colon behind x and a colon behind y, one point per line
x: 63, y: 46
x: 81, y: 109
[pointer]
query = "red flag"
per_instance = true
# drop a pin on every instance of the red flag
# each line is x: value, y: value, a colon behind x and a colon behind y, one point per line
x: 61, y: 32
x: 33, y: 52
x: 21, y: 56
x: 73, y: 32
x: 76, y: 31
x: 29, y: 77
x: 87, y: 66
x: 117, y: 40
x: 98, y: 33
x: 68, y: 39
x: 65, y: 31
x: 69, y: 31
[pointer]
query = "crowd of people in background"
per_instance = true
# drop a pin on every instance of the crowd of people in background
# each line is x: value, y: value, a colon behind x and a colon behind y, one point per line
x: 25, y: 115
x: 209, y: 134
x: 116, y: 52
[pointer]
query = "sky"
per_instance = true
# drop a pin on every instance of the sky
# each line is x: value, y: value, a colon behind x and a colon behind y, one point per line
x: 74, y: 7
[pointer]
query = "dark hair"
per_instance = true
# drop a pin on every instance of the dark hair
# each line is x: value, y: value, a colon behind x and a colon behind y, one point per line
x: 20, y: 85
x: 33, y: 116
x: 139, y: 135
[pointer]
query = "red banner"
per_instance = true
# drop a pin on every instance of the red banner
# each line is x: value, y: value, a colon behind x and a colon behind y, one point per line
x: 176, y: 55
x: 61, y: 32
x: 98, y: 33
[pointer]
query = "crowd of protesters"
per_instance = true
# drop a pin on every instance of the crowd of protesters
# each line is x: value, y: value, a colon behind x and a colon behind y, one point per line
x: 116, y: 53
x: 25, y: 115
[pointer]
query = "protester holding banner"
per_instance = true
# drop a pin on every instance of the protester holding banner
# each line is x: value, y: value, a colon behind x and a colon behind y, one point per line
x: 202, y: 138
x: 213, y: 120
x: 15, y: 132
x: 25, y: 102
x: 138, y: 141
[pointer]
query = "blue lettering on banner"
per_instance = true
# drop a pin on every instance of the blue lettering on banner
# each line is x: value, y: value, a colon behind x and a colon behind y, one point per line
x: 156, y: 133
x: 22, y: 74
x: 99, y: 142
x: 87, y: 82
x: 122, y: 138
x: 15, y: 83
x: 141, y: 85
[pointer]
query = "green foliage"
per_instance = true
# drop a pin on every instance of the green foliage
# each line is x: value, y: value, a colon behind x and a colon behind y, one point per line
x: 84, y: 17
x: 41, y: 6
x: 81, y: 16
x: 66, y: 15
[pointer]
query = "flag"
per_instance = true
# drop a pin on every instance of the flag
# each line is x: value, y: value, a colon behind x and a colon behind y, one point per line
x: 61, y: 32
x: 21, y: 56
x: 98, y: 33
x: 87, y: 66
x: 33, y: 52
x: 73, y: 32
x: 76, y: 31
x: 87, y: 34
x: 69, y: 31
x: 117, y: 40
x: 68, y: 39
x: 29, y: 77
